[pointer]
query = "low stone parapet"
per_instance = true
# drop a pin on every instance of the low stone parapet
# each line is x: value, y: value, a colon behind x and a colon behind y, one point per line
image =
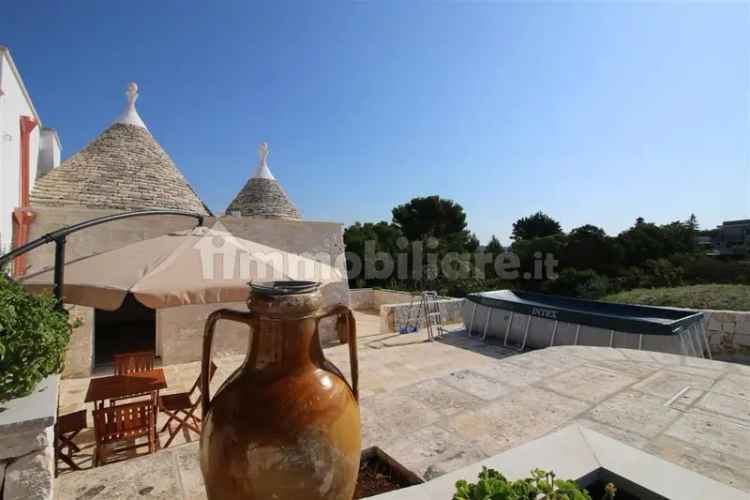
x: 728, y: 331
x: 27, y: 443
x: 362, y: 298
x: 373, y: 298
x: 394, y: 306
x: 393, y: 316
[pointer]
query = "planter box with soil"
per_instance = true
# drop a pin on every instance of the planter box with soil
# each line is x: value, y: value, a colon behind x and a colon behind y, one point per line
x: 380, y: 473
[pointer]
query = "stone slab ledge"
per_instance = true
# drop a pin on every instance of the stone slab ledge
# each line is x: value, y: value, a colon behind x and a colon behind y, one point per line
x: 34, y: 412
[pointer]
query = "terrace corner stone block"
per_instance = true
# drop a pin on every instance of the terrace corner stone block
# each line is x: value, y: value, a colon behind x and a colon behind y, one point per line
x: 30, y: 477
x: 19, y: 444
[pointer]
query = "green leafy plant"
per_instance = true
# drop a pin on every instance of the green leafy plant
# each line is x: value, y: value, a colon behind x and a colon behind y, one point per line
x: 492, y: 485
x: 33, y: 336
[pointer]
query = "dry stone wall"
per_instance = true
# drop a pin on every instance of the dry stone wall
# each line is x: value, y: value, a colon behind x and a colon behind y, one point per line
x: 362, y: 299
x: 79, y: 354
x: 392, y: 316
x: 373, y: 298
x: 394, y: 307
x: 728, y: 331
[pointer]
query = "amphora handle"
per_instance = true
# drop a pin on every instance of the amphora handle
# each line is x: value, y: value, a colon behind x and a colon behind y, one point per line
x: 347, y: 315
x: 208, y: 336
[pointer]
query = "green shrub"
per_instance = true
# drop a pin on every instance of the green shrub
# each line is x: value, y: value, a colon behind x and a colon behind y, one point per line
x: 730, y: 297
x: 492, y: 485
x: 701, y: 269
x: 586, y: 284
x: 663, y: 273
x: 33, y: 336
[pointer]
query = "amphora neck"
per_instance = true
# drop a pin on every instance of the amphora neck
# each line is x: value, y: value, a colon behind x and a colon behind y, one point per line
x: 285, y: 335
x: 284, y: 345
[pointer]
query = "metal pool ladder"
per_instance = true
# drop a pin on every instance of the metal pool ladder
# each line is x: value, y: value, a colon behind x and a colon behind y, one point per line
x: 434, y: 318
x: 424, y: 305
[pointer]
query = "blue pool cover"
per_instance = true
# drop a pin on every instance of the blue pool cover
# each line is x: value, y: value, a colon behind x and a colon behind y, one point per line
x: 619, y: 317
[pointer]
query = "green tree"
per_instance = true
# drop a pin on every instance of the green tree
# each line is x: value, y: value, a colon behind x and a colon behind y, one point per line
x: 642, y: 242
x: 494, y: 247
x: 435, y: 217
x: 589, y: 247
x: 492, y: 250
x: 587, y: 231
x: 472, y: 244
x: 537, y: 225
x: 679, y: 237
x: 383, y: 233
x: 647, y: 241
x: 440, y: 225
x: 529, y: 251
x: 385, y: 237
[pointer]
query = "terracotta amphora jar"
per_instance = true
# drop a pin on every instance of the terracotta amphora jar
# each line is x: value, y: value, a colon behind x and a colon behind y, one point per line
x: 285, y: 425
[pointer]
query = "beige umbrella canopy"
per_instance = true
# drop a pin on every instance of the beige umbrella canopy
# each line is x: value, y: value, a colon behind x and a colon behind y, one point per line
x: 200, y: 266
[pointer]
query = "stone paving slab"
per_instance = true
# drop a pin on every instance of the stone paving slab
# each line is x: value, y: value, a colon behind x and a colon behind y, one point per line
x: 589, y: 383
x: 476, y: 384
x: 708, y: 430
x: 516, y: 418
x: 707, y: 461
x: 729, y: 406
x: 435, y: 451
x: 635, y: 412
x: 665, y: 384
x: 418, y: 410
x: 441, y: 397
x: 735, y: 386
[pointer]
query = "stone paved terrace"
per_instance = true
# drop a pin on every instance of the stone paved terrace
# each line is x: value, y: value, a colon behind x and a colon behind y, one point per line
x: 439, y: 406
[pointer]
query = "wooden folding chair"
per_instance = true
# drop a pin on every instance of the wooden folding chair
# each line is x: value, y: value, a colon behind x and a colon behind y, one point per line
x: 66, y: 428
x: 179, y: 407
x: 124, y: 424
x: 132, y: 362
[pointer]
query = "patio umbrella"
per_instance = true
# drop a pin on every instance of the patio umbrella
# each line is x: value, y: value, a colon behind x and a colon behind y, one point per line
x: 199, y: 266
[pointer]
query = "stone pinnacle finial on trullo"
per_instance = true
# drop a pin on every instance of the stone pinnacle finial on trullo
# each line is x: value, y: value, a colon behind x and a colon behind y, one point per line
x: 263, y: 171
x: 263, y: 155
x: 132, y: 93
x: 130, y: 116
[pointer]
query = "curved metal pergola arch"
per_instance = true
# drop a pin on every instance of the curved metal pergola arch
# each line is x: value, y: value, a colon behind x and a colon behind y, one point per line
x: 59, y: 238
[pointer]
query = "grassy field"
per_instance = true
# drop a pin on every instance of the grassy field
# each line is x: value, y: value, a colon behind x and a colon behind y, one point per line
x: 731, y: 297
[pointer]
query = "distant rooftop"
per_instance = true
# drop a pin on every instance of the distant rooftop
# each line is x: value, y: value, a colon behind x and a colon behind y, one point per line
x: 736, y: 222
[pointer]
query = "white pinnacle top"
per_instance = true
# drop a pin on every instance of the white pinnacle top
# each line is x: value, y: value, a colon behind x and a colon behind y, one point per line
x: 130, y: 116
x: 263, y: 172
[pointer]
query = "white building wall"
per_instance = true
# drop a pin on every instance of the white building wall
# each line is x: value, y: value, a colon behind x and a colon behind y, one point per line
x: 13, y: 104
x: 49, y: 152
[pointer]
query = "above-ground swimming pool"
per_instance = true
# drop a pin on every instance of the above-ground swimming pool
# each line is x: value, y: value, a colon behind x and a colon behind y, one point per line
x: 535, y: 320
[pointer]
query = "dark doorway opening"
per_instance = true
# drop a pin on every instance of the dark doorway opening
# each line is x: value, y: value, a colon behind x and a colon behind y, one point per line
x: 131, y: 328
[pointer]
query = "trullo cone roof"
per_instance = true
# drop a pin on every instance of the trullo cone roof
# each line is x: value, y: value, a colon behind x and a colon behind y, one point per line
x: 123, y: 168
x: 262, y: 195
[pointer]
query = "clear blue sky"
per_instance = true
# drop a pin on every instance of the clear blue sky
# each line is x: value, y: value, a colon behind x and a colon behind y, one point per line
x: 593, y: 112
